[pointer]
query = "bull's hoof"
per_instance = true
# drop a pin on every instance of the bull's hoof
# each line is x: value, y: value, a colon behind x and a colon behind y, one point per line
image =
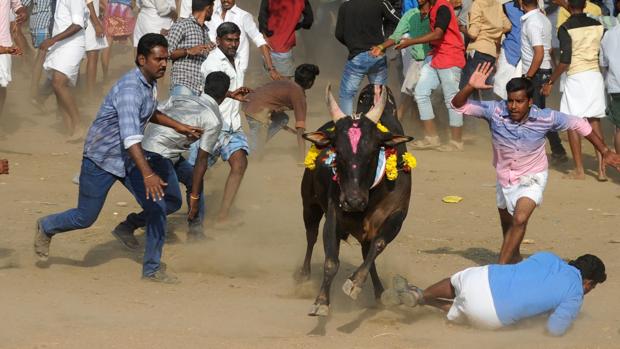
x: 350, y: 289
x: 319, y: 310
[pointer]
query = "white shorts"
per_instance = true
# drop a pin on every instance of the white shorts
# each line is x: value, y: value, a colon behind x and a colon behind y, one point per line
x: 505, y: 72
x: 529, y: 186
x: 65, y: 59
x: 5, y: 70
x: 473, y: 301
x: 584, y: 95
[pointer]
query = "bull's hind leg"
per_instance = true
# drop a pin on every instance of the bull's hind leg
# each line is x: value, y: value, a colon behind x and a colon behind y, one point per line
x: 353, y: 286
x: 331, y: 245
x: 312, y: 219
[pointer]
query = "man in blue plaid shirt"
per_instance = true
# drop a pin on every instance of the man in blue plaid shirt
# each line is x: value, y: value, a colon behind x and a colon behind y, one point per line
x: 113, y: 148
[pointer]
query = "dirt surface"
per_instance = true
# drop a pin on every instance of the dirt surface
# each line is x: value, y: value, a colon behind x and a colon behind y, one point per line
x: 237, y: 288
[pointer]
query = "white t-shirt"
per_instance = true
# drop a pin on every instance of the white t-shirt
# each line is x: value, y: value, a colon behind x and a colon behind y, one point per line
x: 70, y: 12
x: 535, y: 31
x: 249, y: 30
x: 610, y: 51
x: 217, y: 61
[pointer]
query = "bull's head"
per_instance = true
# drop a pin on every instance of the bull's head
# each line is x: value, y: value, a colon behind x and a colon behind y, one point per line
x: 357, y: 142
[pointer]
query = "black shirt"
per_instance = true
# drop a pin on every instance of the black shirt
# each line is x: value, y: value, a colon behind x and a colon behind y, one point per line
x: 360, y: 24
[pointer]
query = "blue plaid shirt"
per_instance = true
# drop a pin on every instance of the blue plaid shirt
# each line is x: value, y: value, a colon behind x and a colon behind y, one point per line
x: 41, y: 15
x: 124, y: 113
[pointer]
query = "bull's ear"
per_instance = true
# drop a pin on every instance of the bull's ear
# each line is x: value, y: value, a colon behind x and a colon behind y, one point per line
x: 319, y: 138
x: 395, y: 140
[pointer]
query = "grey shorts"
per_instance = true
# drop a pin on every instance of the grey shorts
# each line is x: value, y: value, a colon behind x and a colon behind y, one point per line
x: 283, y: 62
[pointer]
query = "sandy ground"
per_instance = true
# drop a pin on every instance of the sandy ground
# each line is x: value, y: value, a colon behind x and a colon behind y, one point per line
x: 237, y: 288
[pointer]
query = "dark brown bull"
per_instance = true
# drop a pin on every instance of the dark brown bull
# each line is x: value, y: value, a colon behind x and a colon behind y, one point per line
x: 344, y: 195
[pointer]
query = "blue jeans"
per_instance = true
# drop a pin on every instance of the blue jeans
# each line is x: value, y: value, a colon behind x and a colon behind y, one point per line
x: 156, y: 211
x: 278, y: 121
x: 354, y: 71
x: 184, y: 172
x: 181, y: 90
x: 95, y: 183
x: 430, y: 79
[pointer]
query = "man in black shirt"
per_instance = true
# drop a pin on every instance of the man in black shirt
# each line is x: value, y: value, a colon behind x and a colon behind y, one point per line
x: 359, y: 28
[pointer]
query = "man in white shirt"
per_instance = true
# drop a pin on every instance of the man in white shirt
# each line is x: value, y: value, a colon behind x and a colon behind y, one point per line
x: 62, y: 62
x: 233, y: 143
x: 536, y: 62
x: 230, y: 12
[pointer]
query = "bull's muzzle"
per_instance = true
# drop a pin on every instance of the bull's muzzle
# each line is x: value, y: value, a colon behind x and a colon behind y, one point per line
x: 353, y: 203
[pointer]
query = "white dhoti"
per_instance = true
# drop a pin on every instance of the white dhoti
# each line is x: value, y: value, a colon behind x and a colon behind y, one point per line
x: 149, y: 22
x: 584, y: 95
x: 93, y: 42
x: 5, y: 70
x: 65, y: 59
x: 504, y: 72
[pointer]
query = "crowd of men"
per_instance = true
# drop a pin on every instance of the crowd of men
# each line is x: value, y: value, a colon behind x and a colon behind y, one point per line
x: 468, y: 48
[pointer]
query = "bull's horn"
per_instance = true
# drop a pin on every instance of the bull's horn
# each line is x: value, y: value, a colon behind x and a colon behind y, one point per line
x: 375, y: 113
x: 333, y: 107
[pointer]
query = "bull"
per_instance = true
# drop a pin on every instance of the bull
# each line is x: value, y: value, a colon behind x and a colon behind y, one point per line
x: 355, y: 198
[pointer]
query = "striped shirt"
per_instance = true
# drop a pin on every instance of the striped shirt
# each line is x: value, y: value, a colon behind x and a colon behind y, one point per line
x: 187, y: 33
x: 120, y: 122
x: 519, y: 147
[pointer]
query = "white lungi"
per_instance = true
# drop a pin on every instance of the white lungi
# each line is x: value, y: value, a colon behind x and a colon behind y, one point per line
x: 92, y: 41
x: 65, y: 59
x: 505, y: 72
x: 5, y: 70
x: 149, y: 21
x: 473, y: 301
x: 530, y: 186
x: 584, y: 95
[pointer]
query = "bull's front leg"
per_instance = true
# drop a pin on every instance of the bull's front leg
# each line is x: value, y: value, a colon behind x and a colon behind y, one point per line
x: 331, y: 245
x: 388, y: 231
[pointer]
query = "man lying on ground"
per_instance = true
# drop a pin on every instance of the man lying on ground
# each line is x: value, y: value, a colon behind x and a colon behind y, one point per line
x: 518, y: 130
x: 494, y: 296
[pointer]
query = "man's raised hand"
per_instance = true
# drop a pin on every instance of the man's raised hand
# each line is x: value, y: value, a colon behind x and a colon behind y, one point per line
x: 478, y: 79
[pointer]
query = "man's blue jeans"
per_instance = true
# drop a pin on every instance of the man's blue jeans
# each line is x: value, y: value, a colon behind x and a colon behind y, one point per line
x: 354, y: 71
x: 156, y: 211
x: 184, y: 172
x: 95, y: 183
x: 430, y: 79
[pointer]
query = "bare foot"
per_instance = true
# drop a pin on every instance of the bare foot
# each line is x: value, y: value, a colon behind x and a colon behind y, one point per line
x: 574, y: 175
x: 77, y: 136
x: 602, y: 177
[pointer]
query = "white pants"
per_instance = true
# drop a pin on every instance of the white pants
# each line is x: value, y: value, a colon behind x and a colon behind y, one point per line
x: 473, y: 301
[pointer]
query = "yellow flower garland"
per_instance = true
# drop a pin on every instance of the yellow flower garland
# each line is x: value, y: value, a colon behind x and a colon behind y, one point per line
x: 310, y: 161
x: 391, y: 170
x: 410, y: 160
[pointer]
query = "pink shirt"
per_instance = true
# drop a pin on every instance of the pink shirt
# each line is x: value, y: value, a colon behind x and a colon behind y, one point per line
x: 519, y: 148
x: 5, y: 23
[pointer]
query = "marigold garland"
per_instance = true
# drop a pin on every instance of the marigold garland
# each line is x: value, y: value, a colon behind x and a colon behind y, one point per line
x: 310, y: 160
x: 410, y: 161
x: 391, y: 169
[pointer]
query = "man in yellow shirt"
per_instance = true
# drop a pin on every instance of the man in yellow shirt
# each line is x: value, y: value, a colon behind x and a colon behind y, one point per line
x: 591, y: 9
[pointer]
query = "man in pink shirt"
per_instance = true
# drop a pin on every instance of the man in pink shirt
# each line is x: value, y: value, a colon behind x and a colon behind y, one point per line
x: 518, y: 130
x: 7, y: 49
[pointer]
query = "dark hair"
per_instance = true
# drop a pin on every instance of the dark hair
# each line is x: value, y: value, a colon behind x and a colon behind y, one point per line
x: 217, y: 84
x: 591, y: 268
x: 577, y: 4
x: 520, y: 84
x: 530, y: 2
x: 227, y: 28
x: 199, y: 5
x: 147, y: 42
x: 305, y: 75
